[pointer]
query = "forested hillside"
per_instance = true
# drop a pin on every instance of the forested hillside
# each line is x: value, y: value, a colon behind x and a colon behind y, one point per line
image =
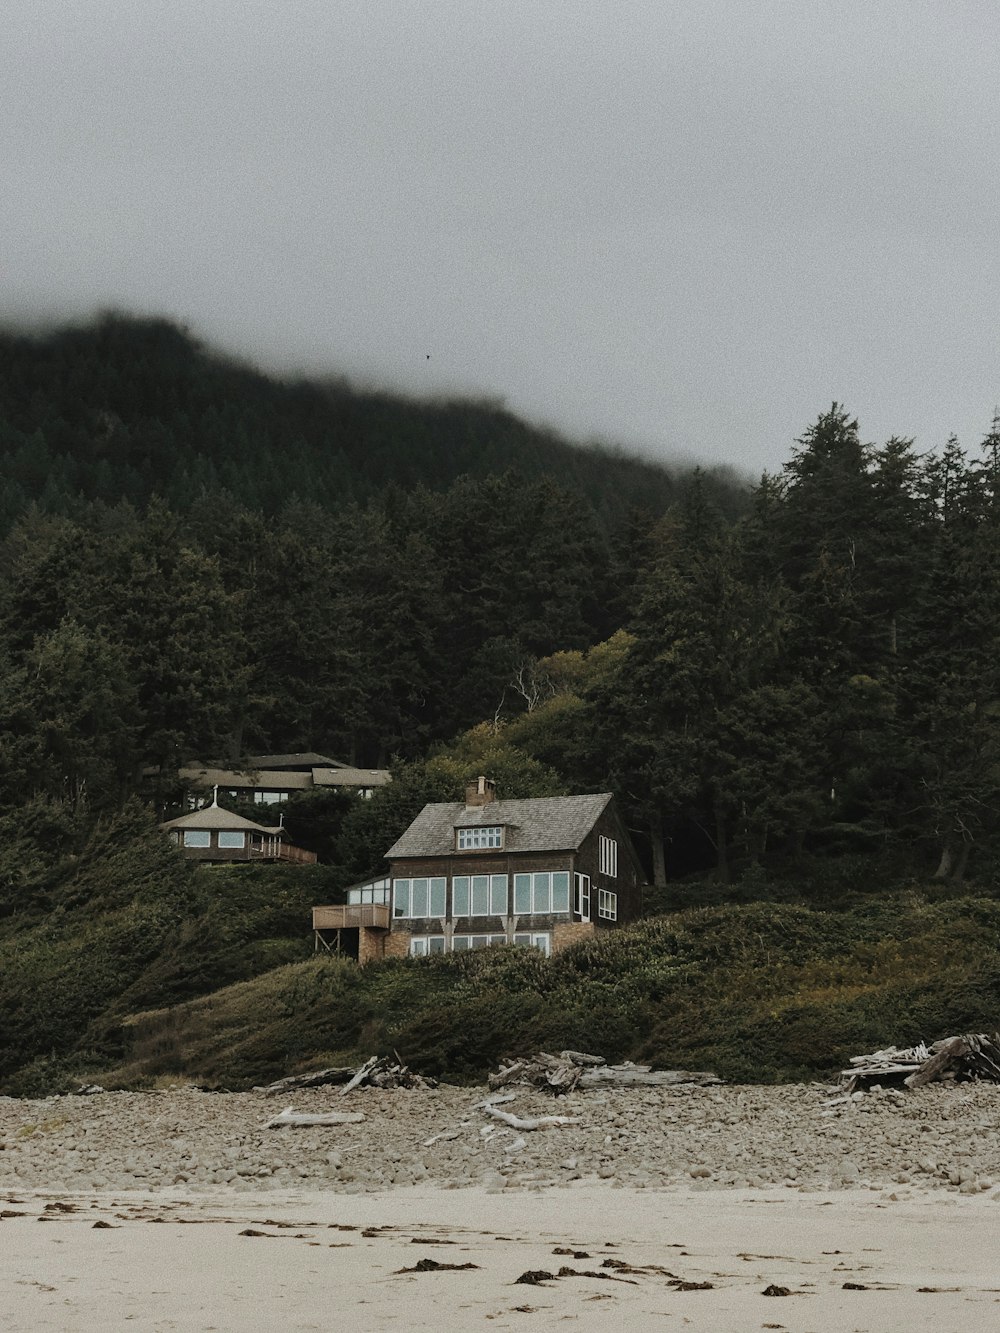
x: 130, y: 409
x: 793, y: 690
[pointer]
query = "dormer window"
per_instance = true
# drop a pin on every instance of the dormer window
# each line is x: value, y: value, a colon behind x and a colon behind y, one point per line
x: 479, y: 839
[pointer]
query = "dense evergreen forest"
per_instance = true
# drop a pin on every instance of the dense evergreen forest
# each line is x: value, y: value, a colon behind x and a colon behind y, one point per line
x: 792, y: 687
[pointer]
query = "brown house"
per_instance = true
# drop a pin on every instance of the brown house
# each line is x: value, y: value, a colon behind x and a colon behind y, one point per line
x: 267, y: 779
x: 220, y: 837
x: 543, y: 872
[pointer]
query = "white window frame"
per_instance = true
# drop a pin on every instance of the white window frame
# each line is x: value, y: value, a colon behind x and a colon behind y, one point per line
x: 463, y: 943
x: 491, y: 893
x: 607, y: 905
x: 420, y: 945
x: 581, y: 897
x: 379, y: 891
x: 531, y: 939
x: 479, y: 838
x: 542, y: 893
x: 608, y: 856
x: 402, y: 898
x: 232, y: 839
x: 197, y: 837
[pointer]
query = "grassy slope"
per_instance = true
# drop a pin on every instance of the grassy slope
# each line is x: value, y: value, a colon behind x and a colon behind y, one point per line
x: 757, y: 993
x: 122, y: 961
x: 127, y: 924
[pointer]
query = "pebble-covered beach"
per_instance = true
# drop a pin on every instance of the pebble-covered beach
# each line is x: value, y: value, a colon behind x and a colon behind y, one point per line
x: 945, y: 1137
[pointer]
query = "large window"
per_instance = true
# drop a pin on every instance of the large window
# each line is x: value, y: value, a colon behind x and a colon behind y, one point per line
x: 535, y: 941
x: 473, y: 839
x: 232, y: 838
x: 376, y: 892
x: 607, y: 905
x: 544, y: 891
x: 196, y: 837
x: 479, y: 895
x: 608, y: 857
x: 419, y: 897
x: 269, y: 797
x: 460, y: 942
x: 422, y: 945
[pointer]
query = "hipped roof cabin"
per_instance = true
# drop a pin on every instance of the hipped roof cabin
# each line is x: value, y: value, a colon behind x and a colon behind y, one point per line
x: 219, y: 836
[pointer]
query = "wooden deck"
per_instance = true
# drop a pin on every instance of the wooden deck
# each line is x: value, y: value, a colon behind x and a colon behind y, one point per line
x: 286, y: 852
x: 375, y: 916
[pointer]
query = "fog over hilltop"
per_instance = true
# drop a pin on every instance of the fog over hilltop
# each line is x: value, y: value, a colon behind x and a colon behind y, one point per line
x: 687, y: 228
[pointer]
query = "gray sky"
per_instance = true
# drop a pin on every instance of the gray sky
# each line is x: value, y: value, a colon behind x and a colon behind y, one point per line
x: 683, y: 225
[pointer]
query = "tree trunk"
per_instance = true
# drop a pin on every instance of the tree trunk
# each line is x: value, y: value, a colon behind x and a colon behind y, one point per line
x: 721, y: 846
x: 946, y: 863
x: 963, y: 860
x: 659, y: 853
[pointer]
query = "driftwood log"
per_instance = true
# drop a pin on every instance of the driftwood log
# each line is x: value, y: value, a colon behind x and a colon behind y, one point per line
x: 970, y: 1056
x: 290, y: 1117
x: 491, y: 1107
x: 318, y: 1079
x: 573, y: 1069
x: 379, y: 1071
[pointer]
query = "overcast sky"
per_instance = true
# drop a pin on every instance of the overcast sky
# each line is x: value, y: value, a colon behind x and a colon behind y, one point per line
x: 683, y: 225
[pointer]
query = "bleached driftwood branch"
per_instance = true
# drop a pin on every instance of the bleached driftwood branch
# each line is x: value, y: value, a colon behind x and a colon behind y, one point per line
x: 361, y: 1075
x: 290, y: 1117
x: 518, y: 1122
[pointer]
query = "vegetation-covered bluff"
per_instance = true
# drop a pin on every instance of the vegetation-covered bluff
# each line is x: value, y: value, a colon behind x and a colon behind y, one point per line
x: 792, y: 690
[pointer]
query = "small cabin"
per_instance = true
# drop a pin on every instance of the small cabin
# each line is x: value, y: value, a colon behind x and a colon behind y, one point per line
x: 220, y: 837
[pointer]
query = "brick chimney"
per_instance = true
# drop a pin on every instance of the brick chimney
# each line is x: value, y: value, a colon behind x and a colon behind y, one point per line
x: 480, y: 793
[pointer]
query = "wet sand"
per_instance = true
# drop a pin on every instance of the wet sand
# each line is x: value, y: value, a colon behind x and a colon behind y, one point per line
x: 695, y: 1259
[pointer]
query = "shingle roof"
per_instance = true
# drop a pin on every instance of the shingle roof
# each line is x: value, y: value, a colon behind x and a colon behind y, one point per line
x: 283, y: 779
x: 344, y: 776
x: 542, y: 824
x: 302, y: 762
x: 214, y: 817
x: 262, y: 779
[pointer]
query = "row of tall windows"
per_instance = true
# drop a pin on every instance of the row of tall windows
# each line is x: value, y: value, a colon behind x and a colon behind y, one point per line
x: 419, y: 897
x: 608, y: 857
x: 479, y: 895
x: 482, y: 895
x: 423, y: 945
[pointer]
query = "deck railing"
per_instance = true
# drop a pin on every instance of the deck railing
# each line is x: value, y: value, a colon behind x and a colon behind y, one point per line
x: 275, y: 849
x: 351, y: 917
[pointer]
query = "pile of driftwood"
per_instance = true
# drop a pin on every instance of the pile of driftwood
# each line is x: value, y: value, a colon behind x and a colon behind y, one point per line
x: 377, y: 1072
x: 971, y: 1056
x: 573, y: 1069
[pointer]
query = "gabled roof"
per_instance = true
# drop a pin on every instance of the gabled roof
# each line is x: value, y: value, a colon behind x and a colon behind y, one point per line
x: 214, y: 817
x: 344, y: 776
x: 300, y: 762
x: 541, y: 824
x: 204, y: 777
x: 257, y: 779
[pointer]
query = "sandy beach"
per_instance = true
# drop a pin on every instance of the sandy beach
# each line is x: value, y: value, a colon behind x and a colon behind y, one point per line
x: 646, y: 1227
